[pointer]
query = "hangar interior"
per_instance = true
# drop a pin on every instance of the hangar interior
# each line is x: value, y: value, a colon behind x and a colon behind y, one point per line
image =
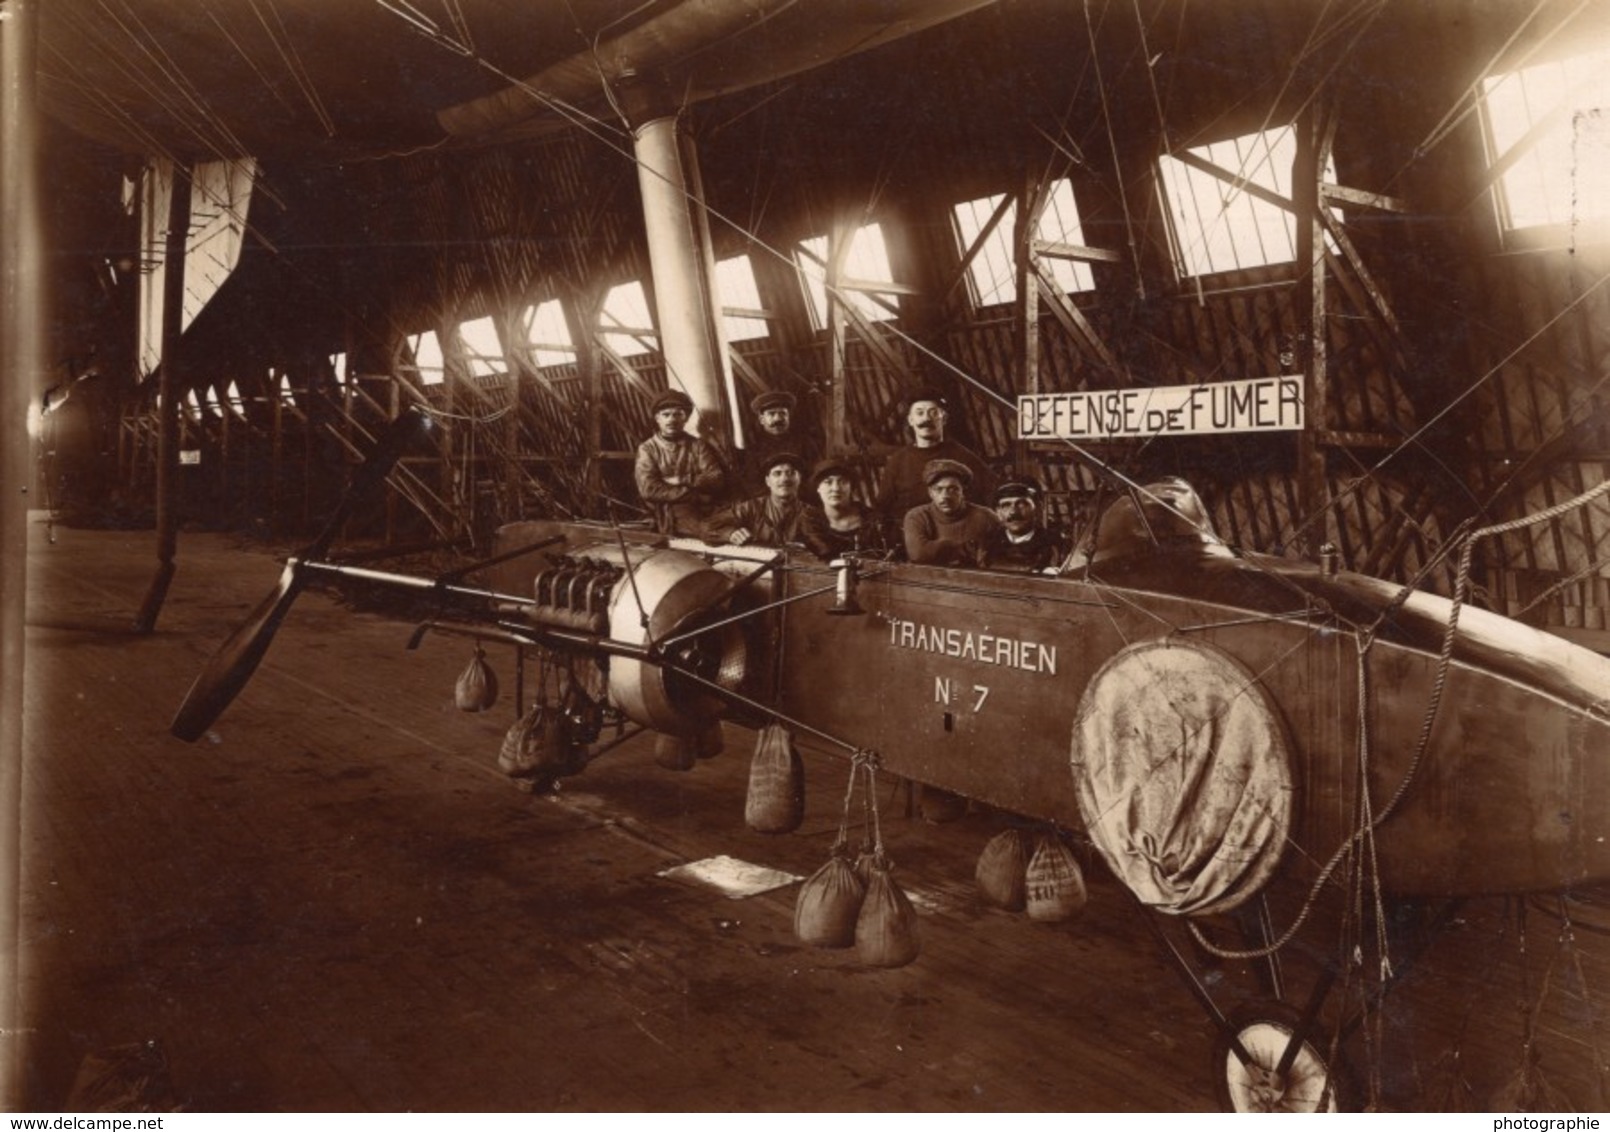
x: 443, y: 204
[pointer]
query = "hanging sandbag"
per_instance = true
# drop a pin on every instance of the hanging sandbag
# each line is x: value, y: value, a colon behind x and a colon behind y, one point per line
x: 534, y: 747
x: 674, y: 752
x: 1002, y: 870
x: 710, y: 742
x: 477, y: 687
x: 886, y: 929
x: 776, y: 799
x: 829, y: 904
x: 1054, y: 882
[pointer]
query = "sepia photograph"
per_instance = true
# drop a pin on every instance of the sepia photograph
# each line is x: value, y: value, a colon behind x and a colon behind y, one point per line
x: 805, y: 556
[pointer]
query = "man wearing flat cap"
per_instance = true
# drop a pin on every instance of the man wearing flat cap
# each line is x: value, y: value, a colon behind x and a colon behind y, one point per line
x: 774, y: 414
x: 1022, y: 542
x: 771, y: 519
x: 903, y: 486
x: 948, y: 530
x: 679, y: 475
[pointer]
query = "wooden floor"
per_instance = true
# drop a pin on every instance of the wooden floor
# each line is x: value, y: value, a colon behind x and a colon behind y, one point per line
x: 335, y: 902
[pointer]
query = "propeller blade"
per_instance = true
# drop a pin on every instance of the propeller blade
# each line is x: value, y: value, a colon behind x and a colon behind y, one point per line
x: 238, y: 657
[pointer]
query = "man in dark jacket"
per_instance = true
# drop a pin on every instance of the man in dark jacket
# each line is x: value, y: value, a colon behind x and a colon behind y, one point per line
x: 678, y: 475
x: 1022, y: 542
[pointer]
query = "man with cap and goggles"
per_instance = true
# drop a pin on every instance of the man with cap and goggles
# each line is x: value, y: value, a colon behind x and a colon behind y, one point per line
x: 903, y: 486
x: 764, y: 520
x: 948, y: 530
x: 1022, y: 542
x: 679, y: 475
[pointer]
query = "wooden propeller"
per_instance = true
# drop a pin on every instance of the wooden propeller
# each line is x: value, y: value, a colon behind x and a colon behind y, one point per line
x: 237, y: 658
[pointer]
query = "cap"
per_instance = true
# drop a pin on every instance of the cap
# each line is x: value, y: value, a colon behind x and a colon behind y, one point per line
x: 831, y: 466
x: 774, y: 399
x: 792, y: 459
x: 672, y: 399
x: 937, y: 469
x: 927, y: 394
x: 1017, y: 489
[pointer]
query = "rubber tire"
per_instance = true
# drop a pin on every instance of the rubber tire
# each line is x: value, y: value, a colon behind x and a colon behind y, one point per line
x: 1264, y: 1028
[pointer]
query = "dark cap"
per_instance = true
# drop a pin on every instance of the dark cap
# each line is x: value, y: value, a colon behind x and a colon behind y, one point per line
x: 792, y: 459
x: 832, y: 466
x: 938, y: 469
x: 672, y: 399
x: 927, y: 394
x: 774, y: 399
x: 1017, y: 489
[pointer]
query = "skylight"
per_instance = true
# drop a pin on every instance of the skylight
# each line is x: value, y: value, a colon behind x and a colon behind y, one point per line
x: 483, y: 352
x: 1217, y: 221
x: 1559, y: 174
x: 427, y: 353
x: 625, y: 322
x: 547, y: 334
x: 866, y: 264
x: 740, y: 300
x: 992, y: 274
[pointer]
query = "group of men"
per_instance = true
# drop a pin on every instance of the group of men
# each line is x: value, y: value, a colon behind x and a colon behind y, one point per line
x: 924, y: 507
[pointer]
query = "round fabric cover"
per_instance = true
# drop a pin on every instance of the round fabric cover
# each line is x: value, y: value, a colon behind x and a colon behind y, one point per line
x: 1184, y: 775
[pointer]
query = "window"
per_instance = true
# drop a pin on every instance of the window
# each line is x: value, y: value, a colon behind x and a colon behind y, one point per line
x: 287, y: 396
x: 546, y: 334
x: 427, y: 353
x: 1216, y: 223
x: 742, y: 317
x: 865, y: 265
x: 237, y: 403
x: 1548, y: 128
x: 992, y: 274
x: 338, y: 366
x: 625, y: 322
x: 483, y: 353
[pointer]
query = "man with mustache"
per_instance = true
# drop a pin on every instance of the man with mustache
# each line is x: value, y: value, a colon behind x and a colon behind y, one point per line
x: 678, y: 475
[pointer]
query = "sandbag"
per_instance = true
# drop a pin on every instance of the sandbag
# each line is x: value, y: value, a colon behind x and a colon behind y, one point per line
x: 674, y: 752
x: 1002, y: 869
x: 775, y: 802
x: 886, y: 929
x: 1054, y: 883
x: 534, y: 746
x: 477, y: 686
x: 828, y: 905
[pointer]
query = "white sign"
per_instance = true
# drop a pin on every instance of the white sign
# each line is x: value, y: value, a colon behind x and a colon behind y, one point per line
x: 1260, y: 404
x: 189, y: 456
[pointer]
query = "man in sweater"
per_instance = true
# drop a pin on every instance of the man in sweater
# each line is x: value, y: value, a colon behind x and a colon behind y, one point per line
x: 903, y: 486
x: 948, y: 530
x: 678, y: 475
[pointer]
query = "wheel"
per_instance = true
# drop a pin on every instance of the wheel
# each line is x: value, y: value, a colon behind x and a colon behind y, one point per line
x: 1265, y: 1030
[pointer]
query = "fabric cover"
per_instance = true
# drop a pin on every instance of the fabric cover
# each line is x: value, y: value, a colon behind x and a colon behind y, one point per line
x: 1183, y: 770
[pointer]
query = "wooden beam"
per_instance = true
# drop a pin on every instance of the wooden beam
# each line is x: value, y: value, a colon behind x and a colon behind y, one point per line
x: 1338, y: 194
x: 1079, y: 252
x: 1073, y: 320
x: 1251, y: 188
